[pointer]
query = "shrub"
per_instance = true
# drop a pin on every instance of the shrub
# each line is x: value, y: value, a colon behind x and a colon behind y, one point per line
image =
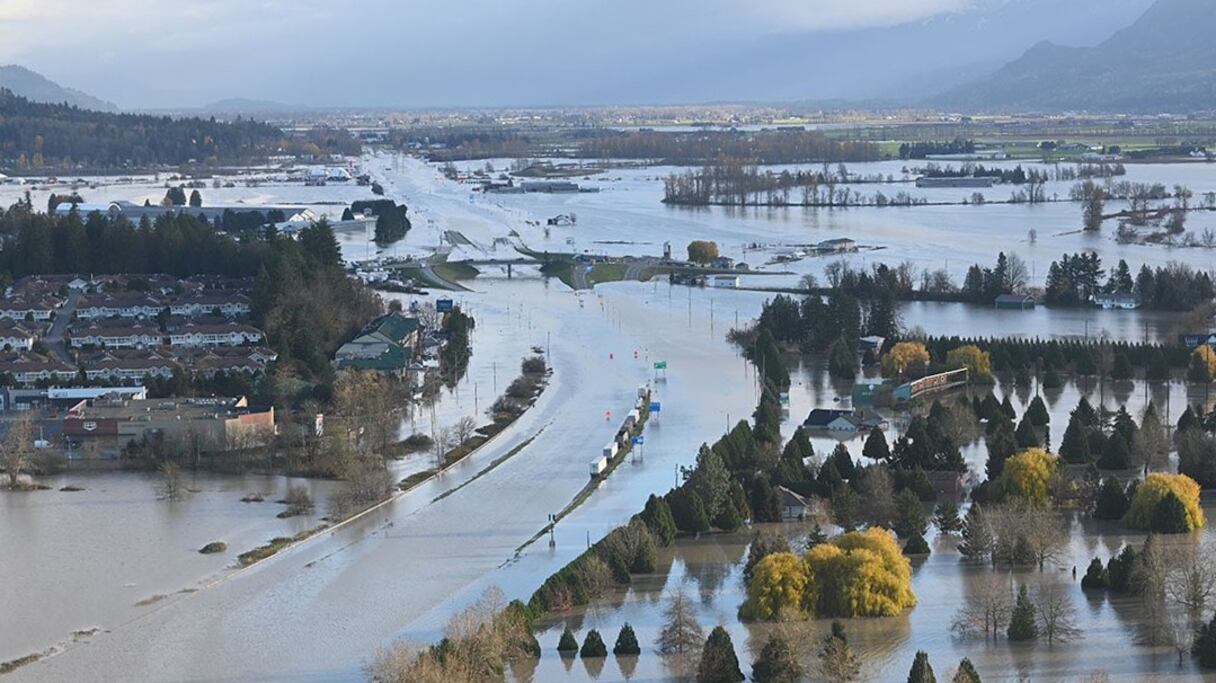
x: 1157, y: 486
x: 567, y: 645
x: 213, y: 547
x: 626, y: 642
x: 534, y: 365
x: 593, y: 645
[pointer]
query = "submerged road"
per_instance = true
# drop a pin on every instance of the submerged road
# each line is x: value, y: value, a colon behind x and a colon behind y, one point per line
x: 320, y: 611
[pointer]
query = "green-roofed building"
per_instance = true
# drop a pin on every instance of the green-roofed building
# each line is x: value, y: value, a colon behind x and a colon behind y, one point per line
x: 385, y: 345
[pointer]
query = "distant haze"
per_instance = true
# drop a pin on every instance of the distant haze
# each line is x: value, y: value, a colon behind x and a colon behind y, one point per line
x: 417, y: 53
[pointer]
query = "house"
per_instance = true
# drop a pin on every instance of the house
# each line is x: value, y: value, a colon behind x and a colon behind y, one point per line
x: 116, y: 336
x: 119, y: 305
x: 228, y: 303
x: 1015, y: 302
x: 112, y: 368
x: 1193, y: 340
x: 839, y: 245
x: 838, y: 420
x: 386, y: 344
x: 28, y: 368
x: 724, y: 262
x: 793, y: 506
x: 872, y: 343
x: 726, y: 281
x: 219, y: 334
x: 1123, y: 302
x: 18, y: 335
x: 29, y: 308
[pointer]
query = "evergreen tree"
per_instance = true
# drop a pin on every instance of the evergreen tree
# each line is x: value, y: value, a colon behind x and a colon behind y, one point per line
x: 1022, y: 622
x: 1188, y: 419
x: 978, y: 537
x: 876, y: 446
x: 1096, y: 577
x: 196, y: 199
x: 567, y: 645
x: 829, y: 478
x: 1115, y: 454
x: 657, y: 515
x: 626, y: 642
x: 966, y: 673
x: 1120, y: 569
x: 719, y: 664
x: 1025, y: 436
x: 946, y: 518
x: 1122, y: 368
x: 990, y: 409
x: 910, y: 518
x: 1204, y: 646
x: 1112, y: 500
x: 1037, y: 413
x: 593, y: 646
x: 688, y: 511
x: 1075, y: 446
x: 1007, y: 408
x: 917, y: 545
x: 1002, y: 444
x: 837, y: 662
x: 922, y: 671
x: 1169, y: 516
x: 843, y: 461
x: 776, y: 663
x: 765, y: 501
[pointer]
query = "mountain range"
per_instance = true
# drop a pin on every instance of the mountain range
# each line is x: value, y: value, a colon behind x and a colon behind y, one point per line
x: 38, y: 88
x: 1164, y: 62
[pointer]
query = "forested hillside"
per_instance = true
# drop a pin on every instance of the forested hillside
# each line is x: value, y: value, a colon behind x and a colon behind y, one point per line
x: 37, y: 137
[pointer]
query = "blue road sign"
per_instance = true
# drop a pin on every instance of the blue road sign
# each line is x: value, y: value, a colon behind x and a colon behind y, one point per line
x: 638, y: 440
x: 656, y: 407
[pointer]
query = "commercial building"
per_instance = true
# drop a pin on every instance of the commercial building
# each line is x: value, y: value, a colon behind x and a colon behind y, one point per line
x: 205, y: 425
x: 386, y: 344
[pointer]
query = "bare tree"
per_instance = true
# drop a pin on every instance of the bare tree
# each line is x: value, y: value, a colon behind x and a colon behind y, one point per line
x: 172, y: 486
x: 1180, y: 631
x: 681, y: 638
x: 464, y: 429
x: 16, y: 448
x: 1057, y: 615
x: 986, y: 610
x: 1190, y: 579
x: 1045, y: 534
x: 1149, y: 580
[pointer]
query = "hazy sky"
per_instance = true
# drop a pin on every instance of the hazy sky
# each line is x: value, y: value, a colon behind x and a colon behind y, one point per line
x: 141, y: 53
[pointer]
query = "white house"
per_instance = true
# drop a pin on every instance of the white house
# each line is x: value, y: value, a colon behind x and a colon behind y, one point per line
x: 222, y: 334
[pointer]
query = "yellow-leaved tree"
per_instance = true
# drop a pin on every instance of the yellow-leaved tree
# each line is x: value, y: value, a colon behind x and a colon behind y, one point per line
x: 1028, y: 475
x: 1157, y: 486
x: 976, y: 360
x: 908, y: 358
x: 776, y: 588
x: 858, y: 574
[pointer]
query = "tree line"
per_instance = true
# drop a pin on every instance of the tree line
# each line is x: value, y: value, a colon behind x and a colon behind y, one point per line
x: 39, y: 137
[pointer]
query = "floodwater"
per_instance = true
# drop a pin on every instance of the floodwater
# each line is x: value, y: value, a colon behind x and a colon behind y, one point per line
x: 710, y: 571
x: 86, y: 559
x: 318, y: 612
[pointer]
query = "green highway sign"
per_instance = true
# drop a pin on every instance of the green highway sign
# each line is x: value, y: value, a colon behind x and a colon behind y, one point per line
x: 660, y: 365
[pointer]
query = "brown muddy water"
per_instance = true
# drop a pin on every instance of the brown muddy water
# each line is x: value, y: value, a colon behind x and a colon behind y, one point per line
x: 710, y: 570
